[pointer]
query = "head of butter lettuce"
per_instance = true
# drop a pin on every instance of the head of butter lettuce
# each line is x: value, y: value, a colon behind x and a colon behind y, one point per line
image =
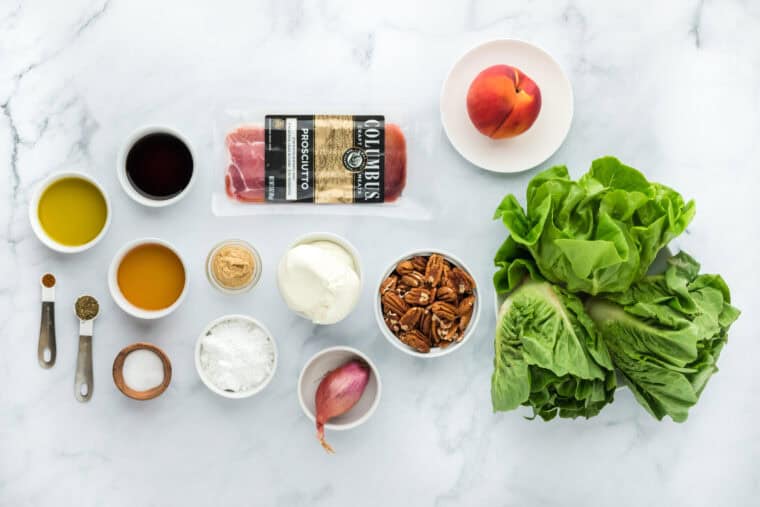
x: 665, y: 334
x: 549, y: 354
x: 598, y: 234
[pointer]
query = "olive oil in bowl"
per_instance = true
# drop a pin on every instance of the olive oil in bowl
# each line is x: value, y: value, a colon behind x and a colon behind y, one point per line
x: 70, y: 212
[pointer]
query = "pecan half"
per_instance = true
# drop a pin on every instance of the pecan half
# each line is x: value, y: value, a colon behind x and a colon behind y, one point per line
x: 420, y: 263
x: 447, y: 294
x: 434, y: 270
x: 404, y: 267
x: 426, y: 323
x: 444, y: 311
x: 465, y: 306
x: 416, y: 340
x: 464, y: 321
x: 418, y: 297
x: 463, y: 283
x: 413, y: 279
x: 392, y: 302
x: 388, y: 284
x: 392, y: 324
x: 444, y: 330
x: 411, y: 318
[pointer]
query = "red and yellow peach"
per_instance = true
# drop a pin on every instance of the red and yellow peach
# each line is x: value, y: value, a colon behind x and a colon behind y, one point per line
x: 503, y: 102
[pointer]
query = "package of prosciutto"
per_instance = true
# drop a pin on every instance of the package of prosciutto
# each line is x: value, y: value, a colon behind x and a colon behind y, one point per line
x: 293, y: 163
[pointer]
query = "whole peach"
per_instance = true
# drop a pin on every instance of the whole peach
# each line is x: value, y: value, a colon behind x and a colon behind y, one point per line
x: 503, y: 102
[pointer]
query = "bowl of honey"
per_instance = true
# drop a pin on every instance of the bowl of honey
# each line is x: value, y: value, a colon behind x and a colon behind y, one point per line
x: 148, y: 278
x: 69, y: 212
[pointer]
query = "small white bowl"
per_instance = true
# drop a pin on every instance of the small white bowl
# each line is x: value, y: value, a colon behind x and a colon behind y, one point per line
x: 34, y: 217
x: 121, y: 165
x: 334, y: 238
x: 320, y: 365
x: 118, y: 297
x: 530, y: 148
x: 202, y: 373
x: 436, y: 351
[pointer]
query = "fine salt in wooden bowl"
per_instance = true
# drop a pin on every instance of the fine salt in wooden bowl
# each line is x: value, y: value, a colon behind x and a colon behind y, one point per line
x: 118, y: 374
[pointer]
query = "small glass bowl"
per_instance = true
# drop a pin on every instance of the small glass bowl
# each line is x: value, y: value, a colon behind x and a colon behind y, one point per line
x: 256, y: 268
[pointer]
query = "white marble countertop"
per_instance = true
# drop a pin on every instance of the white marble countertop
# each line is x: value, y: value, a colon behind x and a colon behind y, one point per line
x: 670, y: 88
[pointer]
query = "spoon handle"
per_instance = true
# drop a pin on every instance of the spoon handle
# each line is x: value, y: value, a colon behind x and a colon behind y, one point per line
x: 47, y: 336
x: 83, y: 383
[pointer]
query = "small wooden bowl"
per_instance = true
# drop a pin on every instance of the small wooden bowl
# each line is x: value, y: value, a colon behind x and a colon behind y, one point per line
x: 118, y: 374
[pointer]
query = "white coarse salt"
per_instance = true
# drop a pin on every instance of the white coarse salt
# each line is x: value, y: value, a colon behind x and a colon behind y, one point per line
x: 143, y: 370
x: 237, y: 355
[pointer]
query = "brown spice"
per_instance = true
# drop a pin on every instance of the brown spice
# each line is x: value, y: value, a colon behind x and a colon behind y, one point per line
x: 48, y: 280
x: 87, y: 307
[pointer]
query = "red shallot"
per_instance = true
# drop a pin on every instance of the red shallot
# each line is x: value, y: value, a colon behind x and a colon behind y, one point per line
x: 338, y: 392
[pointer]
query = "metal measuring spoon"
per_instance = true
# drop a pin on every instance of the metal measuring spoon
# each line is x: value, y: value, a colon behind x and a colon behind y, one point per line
x: 86, y: 309
x: 46, y: 349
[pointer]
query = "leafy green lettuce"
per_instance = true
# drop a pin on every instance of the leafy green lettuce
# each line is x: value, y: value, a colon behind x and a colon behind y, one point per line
x: 549, y: 355
x: 598, y: 234
x: 665, y: 334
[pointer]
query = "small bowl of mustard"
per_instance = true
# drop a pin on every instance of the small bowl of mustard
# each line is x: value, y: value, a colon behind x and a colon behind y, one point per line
x: 233, y: 266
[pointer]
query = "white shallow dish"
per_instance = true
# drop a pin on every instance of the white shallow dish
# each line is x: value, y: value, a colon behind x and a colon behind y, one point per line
x: 202, y: 373
x: 121, y: 165
x: 338, y: 240
x: 320, y: 365
x: 34, y: 217
x: 118, y: 297
x: 437, y: 351
x: 535, y: 145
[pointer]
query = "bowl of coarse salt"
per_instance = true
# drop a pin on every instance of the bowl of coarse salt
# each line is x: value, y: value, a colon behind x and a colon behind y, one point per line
x: 236, y: 356
x: 142, y: 371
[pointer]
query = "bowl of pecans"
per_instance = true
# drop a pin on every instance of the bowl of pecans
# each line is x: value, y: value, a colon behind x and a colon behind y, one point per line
x: 427, y: 304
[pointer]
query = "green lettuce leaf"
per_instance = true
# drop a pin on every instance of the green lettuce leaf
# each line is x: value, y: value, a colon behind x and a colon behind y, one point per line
x: 549, y: 355
x: 665, y: 334
x: 595, y: 235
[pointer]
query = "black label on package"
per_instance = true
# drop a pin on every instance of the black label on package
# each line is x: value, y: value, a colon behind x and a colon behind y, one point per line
x: 325, y: 158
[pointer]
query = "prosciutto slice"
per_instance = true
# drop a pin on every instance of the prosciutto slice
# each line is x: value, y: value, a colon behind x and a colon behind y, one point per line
x: 244, y: 179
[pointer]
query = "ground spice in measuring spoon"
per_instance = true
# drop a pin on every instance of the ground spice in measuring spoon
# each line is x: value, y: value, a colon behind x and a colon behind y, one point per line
x: 48, y: 280
x: 87, y: 307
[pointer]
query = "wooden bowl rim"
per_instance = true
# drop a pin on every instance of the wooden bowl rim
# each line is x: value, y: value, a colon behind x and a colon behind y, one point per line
x: 118, y: 372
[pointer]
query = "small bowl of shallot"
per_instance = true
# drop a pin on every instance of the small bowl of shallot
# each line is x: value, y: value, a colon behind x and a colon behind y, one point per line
x: 339, y: 389
x: 427, y: 303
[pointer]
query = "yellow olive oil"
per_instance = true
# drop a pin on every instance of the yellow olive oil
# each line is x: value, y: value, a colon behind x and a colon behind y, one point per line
x: 72, y: 211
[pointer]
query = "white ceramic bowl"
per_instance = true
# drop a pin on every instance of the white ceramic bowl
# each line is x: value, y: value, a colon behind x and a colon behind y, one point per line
x: 339, y: 240
x: 118, y: 297
x: 202, y: 373
x: 437, y: 351
x: 34, y: 218
x: 320, y: 365
x: 121, y: 165
x: 533, y: 146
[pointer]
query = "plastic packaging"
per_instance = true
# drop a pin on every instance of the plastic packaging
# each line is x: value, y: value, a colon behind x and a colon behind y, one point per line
x: 287, y: 162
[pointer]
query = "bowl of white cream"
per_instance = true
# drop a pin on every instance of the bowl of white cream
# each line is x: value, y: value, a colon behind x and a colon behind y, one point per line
x: 320, y: 277
x: 236, y: 356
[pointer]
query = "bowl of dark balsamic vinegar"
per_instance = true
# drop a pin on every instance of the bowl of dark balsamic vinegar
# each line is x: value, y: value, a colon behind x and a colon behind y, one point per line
x: 156, y: 166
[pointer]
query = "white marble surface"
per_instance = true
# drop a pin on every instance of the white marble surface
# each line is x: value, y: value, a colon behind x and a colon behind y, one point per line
x: 672, y: 88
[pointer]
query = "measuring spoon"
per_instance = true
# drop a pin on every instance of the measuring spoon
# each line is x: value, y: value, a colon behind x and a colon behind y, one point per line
x: 86, y: 309
x: 46, y: 349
